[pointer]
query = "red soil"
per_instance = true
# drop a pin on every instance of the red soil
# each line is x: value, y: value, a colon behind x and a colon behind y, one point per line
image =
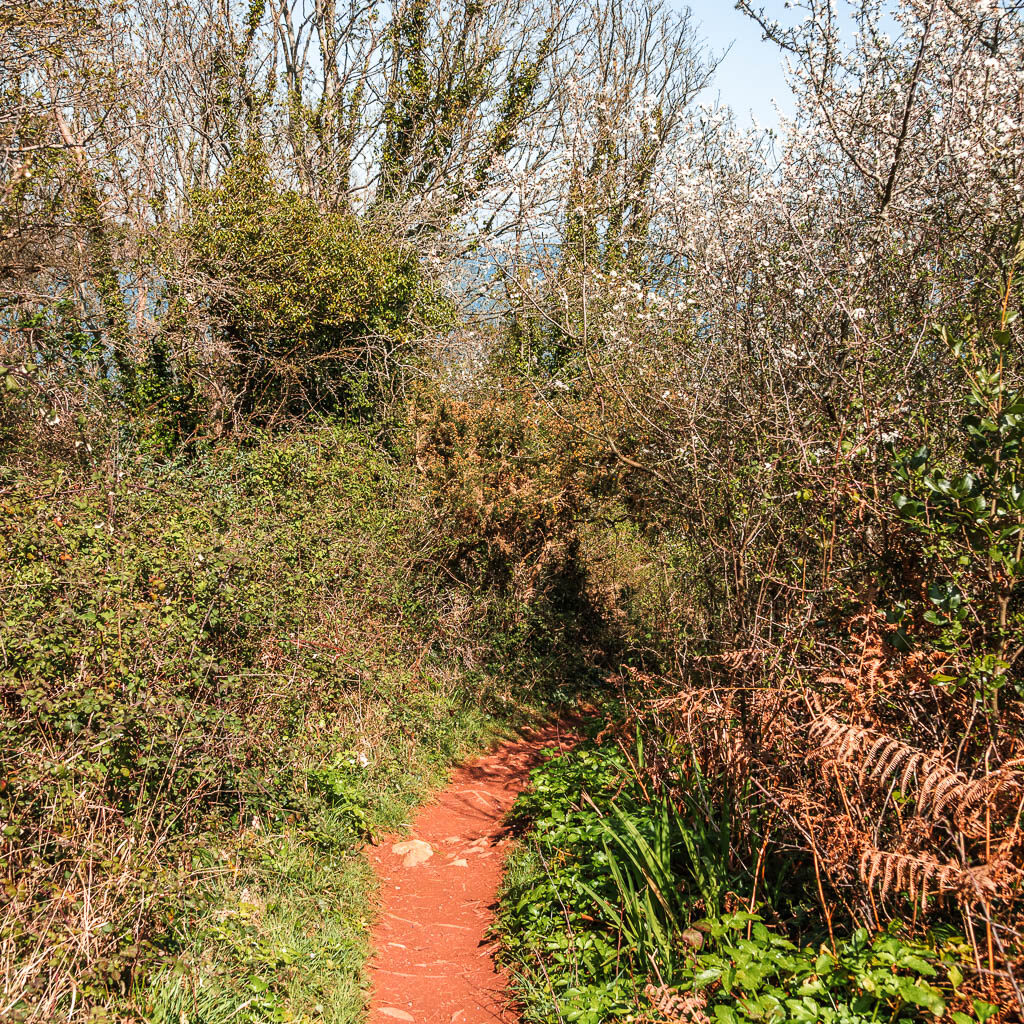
x: 433, y: 962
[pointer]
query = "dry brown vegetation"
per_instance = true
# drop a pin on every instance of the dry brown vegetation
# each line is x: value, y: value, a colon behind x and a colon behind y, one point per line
x: 893, y: 830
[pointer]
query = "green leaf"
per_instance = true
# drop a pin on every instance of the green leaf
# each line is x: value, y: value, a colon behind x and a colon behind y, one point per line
x: 921, y: 994
x: 984, y: 1010
x: 915, y: 963
x: 824, y: 963
x: 708, y: 975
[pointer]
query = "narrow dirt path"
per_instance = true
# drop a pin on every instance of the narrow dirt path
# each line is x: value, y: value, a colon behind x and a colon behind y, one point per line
x: 433, y: 962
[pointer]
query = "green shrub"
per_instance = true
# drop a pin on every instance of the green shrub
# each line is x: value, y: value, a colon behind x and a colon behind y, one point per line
x: 967, y: 513
x: 205, y: 663
x: 307, y: 303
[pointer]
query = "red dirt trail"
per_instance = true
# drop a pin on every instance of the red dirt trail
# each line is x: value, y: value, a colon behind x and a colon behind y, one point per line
x: 433, y: 962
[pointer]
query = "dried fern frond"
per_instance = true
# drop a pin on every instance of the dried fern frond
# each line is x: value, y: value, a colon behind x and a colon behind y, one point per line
x: 920, y: 875
x: 942, y: 792
x: 675, y: 1007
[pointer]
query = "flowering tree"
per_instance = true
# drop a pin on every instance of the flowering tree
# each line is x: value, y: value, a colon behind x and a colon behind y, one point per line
x: 831, y: 479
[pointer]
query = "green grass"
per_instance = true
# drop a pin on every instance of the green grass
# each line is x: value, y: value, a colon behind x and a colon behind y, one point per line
x: 282, y: 934
x: 284, y: 940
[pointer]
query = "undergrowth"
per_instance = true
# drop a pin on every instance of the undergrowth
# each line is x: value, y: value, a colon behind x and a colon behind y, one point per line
x: 219, y: 677
x: 281, y: 932
x: 623, y: 903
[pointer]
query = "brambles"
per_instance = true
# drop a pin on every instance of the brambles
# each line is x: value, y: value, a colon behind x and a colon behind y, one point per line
x: 809, y: 434
x: 726, y: 422
x: 213, y: 672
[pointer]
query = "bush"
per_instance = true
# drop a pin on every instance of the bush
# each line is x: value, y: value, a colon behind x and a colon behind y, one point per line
x: 198, y: 659
x: 307, y: 305
x: 507, y: 490
x: 614, y: 885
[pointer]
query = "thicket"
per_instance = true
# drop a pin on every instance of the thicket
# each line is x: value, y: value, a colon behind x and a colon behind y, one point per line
x: 255, y: 603
x: 459, y: 336
x: 633, y: 905
x: 211, y: 670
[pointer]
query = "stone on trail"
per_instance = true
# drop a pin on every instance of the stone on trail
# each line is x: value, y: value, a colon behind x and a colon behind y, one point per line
x: 390, y: 1011
x: 414, y: 851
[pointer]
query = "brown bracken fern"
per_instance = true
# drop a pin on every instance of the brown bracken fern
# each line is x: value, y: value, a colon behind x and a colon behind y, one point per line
x: 940, y: 790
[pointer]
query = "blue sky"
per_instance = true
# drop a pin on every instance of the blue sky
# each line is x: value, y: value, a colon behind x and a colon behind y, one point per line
x: 751, y: 75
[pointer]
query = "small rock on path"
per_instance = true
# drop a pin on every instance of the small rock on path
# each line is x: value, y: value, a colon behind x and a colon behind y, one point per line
x: 433, y: 962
